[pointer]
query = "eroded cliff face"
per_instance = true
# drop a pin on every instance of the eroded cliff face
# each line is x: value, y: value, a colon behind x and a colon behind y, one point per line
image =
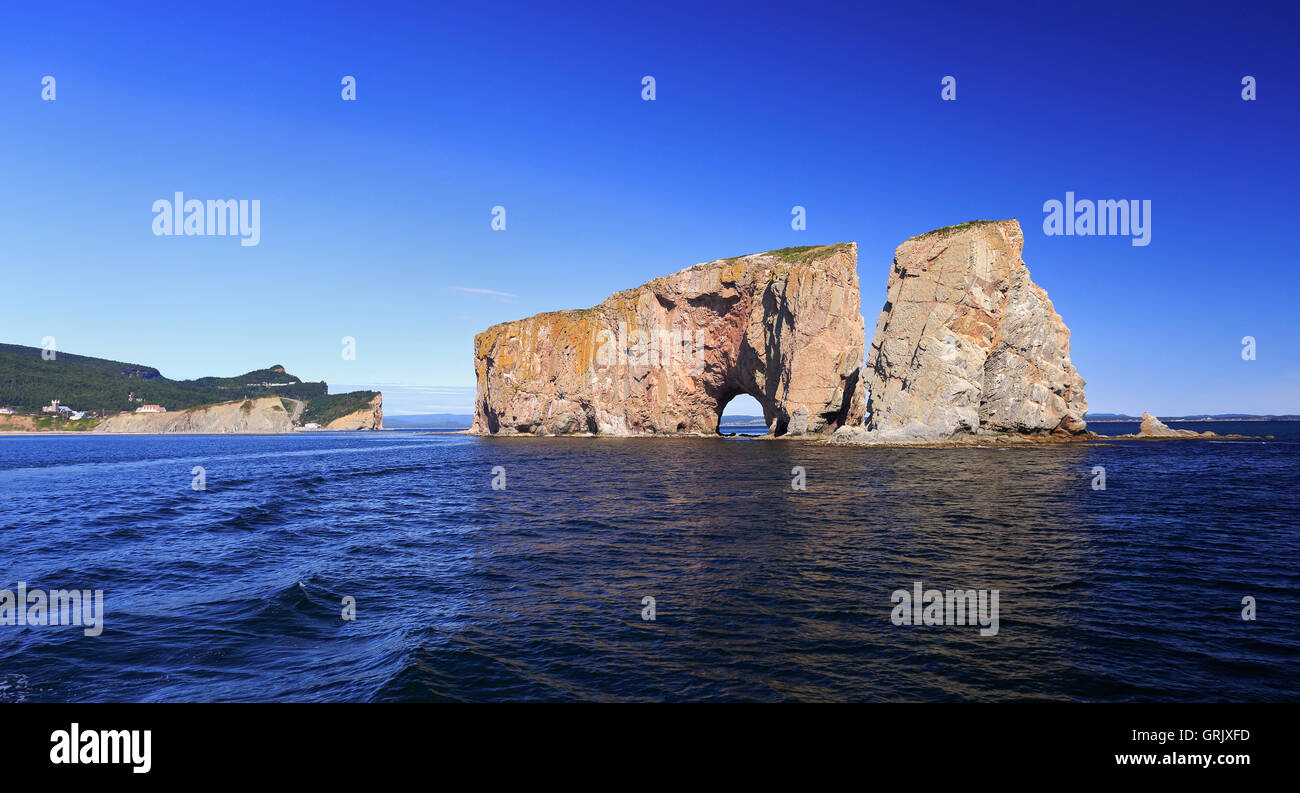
x: 666, y: 357
x: 248, y: 416
x: 369, y: 418
x: 967, y: 343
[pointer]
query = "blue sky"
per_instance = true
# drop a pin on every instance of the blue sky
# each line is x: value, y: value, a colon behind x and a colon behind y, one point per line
x: 375, y: 214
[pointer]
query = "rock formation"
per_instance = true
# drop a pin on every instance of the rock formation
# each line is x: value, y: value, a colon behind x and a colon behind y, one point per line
x: 968, y: 344
x: 1153, y: 427
x: 666, y: 357
x: 248, y: 416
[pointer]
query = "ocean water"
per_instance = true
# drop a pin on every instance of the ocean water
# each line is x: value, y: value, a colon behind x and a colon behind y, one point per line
x: 762, y: 592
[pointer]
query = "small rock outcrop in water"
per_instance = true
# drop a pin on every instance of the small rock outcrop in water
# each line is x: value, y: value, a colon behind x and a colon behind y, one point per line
x: 967, y: 344
x: 666, y: 357
x: 1153, y: 427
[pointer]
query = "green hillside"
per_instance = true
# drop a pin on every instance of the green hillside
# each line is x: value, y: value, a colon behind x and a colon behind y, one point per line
x: 324, y: 409
x: 27, y: 382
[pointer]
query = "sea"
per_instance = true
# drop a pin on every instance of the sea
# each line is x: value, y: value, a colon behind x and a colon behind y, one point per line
x: 420, y: 566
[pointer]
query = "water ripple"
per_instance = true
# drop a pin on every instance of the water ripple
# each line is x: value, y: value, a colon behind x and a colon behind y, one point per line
x: 535, y: 592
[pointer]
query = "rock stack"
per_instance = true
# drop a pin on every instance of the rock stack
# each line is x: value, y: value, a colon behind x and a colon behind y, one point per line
x: 967, y: 344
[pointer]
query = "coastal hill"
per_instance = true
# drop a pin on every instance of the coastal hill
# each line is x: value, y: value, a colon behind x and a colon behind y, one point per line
x: 100, y: 388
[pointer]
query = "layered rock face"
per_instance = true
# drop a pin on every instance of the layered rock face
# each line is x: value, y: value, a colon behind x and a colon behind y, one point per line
x: 250, y: 416
x: 967, y: 343
x: 666, y: 357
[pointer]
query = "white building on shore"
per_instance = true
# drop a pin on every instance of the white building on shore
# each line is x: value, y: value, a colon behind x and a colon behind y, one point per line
x: 61, y: 410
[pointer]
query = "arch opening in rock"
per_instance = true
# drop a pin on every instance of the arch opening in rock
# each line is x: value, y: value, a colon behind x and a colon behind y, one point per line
x: 735, y: 407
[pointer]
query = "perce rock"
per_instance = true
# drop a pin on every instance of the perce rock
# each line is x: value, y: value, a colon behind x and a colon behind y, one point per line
x: 968, y: 345
x: 664, y: 358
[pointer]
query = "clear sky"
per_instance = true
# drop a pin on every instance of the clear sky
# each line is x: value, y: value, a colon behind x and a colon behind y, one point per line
x: 376, y: 213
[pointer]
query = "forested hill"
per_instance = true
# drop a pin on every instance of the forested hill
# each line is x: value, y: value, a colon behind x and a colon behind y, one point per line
x: 27, y: 382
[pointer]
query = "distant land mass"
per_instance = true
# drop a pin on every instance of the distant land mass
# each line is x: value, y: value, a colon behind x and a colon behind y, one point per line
x: 1105, y: 417
x: 96, y: 388
x: 430, y: 421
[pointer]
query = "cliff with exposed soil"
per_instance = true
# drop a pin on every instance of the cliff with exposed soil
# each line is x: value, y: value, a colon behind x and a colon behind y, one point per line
x: 248, y: 416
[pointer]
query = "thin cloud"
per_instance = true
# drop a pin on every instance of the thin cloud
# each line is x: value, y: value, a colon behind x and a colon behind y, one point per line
x: 404, y: 400
x: 501, y: 297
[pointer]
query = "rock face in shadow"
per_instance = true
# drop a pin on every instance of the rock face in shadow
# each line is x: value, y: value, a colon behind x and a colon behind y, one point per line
x: 666, y: 357
x: 968, y: 344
